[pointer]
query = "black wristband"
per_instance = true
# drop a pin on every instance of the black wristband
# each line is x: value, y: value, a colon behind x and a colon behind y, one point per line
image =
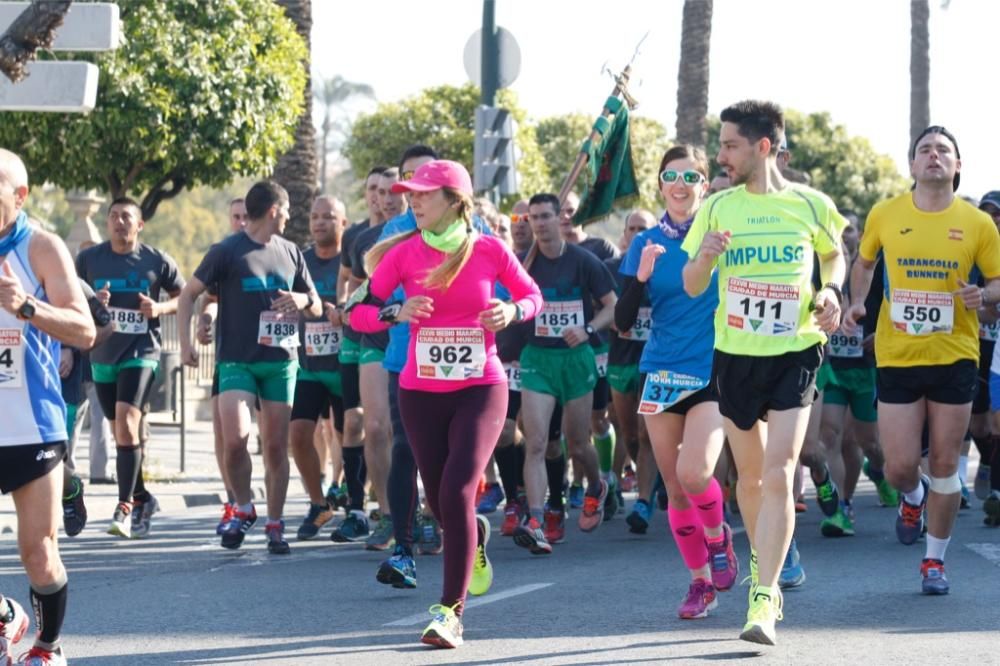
x: 835, y: 288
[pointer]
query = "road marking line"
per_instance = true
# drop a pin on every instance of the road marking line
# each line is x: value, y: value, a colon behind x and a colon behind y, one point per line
x: 420, y: 618
x: 991, y: 551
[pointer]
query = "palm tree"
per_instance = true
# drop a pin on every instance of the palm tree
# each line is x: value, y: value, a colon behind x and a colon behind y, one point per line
x: 920, y: 67
x: 692, y: 76
x: 331, y: 93
x: 296, y: 169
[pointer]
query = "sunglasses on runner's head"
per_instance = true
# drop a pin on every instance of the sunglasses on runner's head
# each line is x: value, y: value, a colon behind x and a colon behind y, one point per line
x: 515, y: 217
x: 406, y: 175
x: 690, y: 177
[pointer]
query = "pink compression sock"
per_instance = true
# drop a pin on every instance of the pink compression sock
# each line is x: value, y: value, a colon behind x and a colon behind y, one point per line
x: 709, y: 504
x: 689, y: 535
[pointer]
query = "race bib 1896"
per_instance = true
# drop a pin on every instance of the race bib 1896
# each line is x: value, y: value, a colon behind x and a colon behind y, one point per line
x: 557, y: 316
x: 129, y: 322
x: 278, y: 330
x: 922, y: 312
x: 322, y: 338
x: 762, y: 308
x: 665, y: 388
x: 450, y: 353
x: 11, y: 358
x: 843, y: 345
x: 642, y: 327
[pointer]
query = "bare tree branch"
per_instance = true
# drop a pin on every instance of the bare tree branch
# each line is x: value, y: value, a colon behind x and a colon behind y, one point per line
x: 35, y: 28
x: 160, y: 193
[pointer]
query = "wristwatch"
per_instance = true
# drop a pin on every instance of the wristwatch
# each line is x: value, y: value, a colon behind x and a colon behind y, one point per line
x: 518, y: 313
x: 835, y: 288
x: 589, y: 329
x: 389, y: 313
x: 27, y: 309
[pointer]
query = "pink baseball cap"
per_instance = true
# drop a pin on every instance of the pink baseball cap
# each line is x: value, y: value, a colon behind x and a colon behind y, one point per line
x: 434, y: 175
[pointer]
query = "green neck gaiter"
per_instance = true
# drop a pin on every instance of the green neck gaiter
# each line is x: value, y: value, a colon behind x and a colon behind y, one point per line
x: 447, y: 241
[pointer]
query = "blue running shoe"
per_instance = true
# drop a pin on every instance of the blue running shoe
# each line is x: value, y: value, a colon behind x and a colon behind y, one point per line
x: 575, y: 496
x: 934, y: 581
x: 638, y: 520
x: 792, y: 573
x: 966, y: 498
x: 400, y: 570
x: 910, y: 518
x: 491, y: 499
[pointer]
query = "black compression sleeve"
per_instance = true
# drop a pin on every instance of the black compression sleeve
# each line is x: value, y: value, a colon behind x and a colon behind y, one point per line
x: 627, y: 307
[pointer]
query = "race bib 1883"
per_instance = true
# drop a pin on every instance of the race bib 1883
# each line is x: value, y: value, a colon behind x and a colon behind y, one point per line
x: 129, y: 322
x: 762, y: 308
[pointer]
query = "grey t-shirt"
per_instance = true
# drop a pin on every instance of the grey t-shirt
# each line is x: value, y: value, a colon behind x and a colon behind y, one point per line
x: 600, y: 247
x: 346, y: 257
x: 318, y: 352
x: 145, y: 271
x: 247, y: 276
x: 364, y: 242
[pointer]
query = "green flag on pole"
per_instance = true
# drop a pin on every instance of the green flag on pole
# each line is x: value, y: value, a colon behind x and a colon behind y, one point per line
x: 610, y: 172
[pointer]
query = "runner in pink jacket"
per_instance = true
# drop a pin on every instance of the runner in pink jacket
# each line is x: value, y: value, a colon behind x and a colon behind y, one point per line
x: 453, y: 388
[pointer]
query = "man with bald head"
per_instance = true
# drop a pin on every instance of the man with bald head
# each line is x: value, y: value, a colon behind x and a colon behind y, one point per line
x: 41, y: 306
x: 520, y: 228
x: 318, y: 384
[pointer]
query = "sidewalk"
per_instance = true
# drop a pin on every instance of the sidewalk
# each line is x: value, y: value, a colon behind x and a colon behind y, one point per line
x: 199, y: 485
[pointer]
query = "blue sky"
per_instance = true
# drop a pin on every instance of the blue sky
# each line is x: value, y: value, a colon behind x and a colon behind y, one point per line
x: 848, y: 57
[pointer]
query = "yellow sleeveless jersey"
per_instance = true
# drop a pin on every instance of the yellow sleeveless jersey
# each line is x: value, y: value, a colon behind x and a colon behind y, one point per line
x: 922, y: 322
x: 765, y: 276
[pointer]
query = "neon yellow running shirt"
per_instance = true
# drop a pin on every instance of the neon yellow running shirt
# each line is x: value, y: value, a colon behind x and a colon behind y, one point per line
x: 765, y: 277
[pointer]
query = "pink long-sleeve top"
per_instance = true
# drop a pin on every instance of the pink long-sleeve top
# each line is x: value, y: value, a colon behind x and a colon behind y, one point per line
x: 450, y: 350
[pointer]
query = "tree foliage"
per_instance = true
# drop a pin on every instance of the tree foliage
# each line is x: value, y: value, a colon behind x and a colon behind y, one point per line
x: 199, y: 92
x: 444, y: 118
x: 846, y: 168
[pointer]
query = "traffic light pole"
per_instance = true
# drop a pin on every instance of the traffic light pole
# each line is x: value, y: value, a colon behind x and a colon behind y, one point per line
x: 490, y: 54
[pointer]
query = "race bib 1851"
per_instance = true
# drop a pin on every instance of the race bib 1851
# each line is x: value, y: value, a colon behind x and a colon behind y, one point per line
x: 762, y: 308
x: 278, y: 330
x: 557, y: 316
x: 450, y: 353
x: 11, y: 358
x: 922, y: 312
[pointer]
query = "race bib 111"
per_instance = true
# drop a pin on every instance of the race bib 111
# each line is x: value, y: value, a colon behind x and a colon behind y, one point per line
x: 762, y: 308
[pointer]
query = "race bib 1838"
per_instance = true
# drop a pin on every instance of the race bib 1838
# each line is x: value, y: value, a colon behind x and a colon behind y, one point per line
x: 11, y: 358
x: 129, y: 322
x: 557, y: 316
x: 450, y: 353
x: 278, y: 330
x: 922, y: 312
x: 762, y: 308
x: 665, y: 388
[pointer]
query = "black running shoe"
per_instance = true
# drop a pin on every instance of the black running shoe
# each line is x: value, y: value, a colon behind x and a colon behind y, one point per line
x: 74, y: 510
x: 236, y: 530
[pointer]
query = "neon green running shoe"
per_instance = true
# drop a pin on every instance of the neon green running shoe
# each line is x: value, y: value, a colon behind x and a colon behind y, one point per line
x: 764, y: 611
x: 482, y: 569
x: 887, y: 495
x: 445, y: 630
x: 752, y: 578
x: 837, y: 525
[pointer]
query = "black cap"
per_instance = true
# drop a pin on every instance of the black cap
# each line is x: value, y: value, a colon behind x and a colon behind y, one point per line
x: 992, y: 197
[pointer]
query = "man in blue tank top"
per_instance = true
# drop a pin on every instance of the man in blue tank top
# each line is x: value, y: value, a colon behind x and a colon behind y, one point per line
x: 41, y: 306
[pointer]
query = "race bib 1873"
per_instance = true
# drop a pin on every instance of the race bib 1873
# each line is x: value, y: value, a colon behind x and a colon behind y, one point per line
x: 922, y: 312
x: 322, y: 338
x: 450, y: 353
x: 762, y: 308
